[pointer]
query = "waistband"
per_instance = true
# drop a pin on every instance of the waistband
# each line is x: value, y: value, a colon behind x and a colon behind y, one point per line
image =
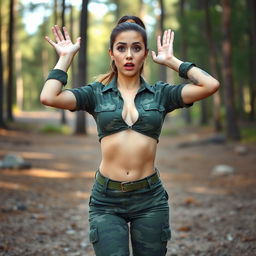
x: 130, y: 185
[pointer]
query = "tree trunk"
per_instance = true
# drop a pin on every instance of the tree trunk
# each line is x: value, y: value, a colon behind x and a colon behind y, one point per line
x: 252, y: 58
x: 213, y: 66
x: 231, y: 122
x: 10, y: 65
x: 71, y: 24
x: 2, y: 123
x: 186, y: 111
x: 63, y: 114
x: 162, y: 68
x: 117, y: 12
x: 19, y: 79
x: 81, y: 127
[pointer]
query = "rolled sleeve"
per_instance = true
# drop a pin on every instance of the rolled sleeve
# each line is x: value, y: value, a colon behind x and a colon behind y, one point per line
x: 173, y: 98
x: 84, y: 98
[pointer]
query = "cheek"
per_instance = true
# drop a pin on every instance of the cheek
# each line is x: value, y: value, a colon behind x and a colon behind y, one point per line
x: 117, y: 57
x: 141, y: 58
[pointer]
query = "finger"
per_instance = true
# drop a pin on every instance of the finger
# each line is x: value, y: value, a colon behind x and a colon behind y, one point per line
x: 168, y: 37
x: 170, y: 49
x: 78, y: 41
x: 164, y: 37
x: 153, y: 55
x: 159, y: 42
x: 50, y: 41
x: 55, y: 34
x: 66, y: 33
x: 59, y: 33
x: 172, y: 37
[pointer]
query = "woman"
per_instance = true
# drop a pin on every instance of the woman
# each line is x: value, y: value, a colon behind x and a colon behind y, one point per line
x: 129, y: 114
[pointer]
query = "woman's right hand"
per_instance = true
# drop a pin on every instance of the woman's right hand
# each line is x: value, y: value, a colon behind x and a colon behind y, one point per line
x: 63, y: 45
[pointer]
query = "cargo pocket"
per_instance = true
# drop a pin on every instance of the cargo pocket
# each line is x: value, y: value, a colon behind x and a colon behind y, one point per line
x: 166, y: 234
x: 93, y: 236
x: 153, y: 106
x: 166, y: 196
x: 90, y: 200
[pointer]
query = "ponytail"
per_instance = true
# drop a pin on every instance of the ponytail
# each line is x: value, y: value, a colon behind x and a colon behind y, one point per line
x: 107, y: 77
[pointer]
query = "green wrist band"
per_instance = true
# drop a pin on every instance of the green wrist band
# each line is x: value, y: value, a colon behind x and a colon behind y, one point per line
x: 59, y: 75
x: 184, y: 68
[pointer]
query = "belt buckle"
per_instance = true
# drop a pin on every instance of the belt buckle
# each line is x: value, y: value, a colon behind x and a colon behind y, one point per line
x: 122, y: 185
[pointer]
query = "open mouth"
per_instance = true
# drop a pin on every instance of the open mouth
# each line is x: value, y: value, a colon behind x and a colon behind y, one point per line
x: 129, y: 66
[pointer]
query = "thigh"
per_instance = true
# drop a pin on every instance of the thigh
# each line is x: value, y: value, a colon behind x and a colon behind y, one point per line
x: 109, y: 234
x: 150, y: 233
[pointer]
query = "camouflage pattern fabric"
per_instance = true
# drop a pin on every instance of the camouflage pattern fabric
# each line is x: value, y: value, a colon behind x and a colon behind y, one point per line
x: 105, y: 104
x: 147, y: 211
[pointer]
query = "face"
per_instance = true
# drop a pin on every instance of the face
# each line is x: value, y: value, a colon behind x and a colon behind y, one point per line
x: 129, y: 53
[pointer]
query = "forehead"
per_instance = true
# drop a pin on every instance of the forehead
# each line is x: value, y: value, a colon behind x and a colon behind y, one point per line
x: 129, y: 37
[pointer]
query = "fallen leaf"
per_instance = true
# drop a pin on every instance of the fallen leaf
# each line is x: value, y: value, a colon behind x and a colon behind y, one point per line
x: 191, y: 200
x: 248, y: 239
x: 184, y: 228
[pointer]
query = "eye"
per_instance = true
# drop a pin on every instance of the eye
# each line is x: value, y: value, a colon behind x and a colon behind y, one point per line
x: 137, y: 48
x: 121, y: 48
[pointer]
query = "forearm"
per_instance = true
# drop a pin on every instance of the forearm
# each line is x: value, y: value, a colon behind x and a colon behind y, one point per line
x: 196, y: 75
x: 53, y: 87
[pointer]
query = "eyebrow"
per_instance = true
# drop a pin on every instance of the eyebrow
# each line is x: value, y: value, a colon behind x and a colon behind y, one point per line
x: 123, y: 43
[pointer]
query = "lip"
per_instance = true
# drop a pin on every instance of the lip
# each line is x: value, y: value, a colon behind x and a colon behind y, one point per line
x: 129, y: 67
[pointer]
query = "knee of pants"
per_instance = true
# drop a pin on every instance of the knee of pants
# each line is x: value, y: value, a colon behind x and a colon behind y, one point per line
x: 152, y: 244
x: 150, y: 234
x: 109, y: 235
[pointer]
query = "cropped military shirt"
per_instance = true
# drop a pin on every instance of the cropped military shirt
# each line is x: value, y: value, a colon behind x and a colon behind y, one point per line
x: 105, y: 104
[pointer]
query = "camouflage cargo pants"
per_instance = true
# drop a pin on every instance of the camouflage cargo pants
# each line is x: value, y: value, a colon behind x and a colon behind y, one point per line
x: 147, y: 211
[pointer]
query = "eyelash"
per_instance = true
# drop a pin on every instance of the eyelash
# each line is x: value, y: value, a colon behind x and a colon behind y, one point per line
x: 122, y: 48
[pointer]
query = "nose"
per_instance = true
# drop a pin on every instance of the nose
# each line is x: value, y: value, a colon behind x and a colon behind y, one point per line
x: 129, y: 54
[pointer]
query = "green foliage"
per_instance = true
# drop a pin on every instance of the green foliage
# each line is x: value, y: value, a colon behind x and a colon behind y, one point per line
x: 56, y: 129
x: 38, y: 56
x: 248, y: 134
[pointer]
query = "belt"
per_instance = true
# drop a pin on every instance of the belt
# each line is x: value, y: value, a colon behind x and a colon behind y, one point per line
x: 130, y: 185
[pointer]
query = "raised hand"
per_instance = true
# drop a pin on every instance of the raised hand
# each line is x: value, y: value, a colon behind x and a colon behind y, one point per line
x: 164, y: 48
x: 63, y: 44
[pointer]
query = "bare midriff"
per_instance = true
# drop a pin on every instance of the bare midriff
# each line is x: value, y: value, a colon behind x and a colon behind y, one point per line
x: 127, y: 156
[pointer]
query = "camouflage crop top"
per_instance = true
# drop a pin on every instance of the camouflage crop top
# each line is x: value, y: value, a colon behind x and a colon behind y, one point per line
x: 105, y: 104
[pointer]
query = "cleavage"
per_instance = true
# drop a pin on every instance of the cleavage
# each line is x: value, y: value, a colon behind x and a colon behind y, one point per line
x: 130, y: 113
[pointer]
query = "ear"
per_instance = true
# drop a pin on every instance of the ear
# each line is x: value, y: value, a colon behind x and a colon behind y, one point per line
x: 146, y: 53
x: 110, y: 52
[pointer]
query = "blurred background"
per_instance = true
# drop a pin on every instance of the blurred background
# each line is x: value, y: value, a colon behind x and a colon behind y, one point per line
x: 219, y: 36
x: 206, y: 153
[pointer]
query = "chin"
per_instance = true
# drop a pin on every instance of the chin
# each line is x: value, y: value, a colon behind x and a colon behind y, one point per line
x: 130, y: 73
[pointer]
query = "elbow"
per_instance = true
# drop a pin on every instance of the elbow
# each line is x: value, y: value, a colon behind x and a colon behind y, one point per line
x: 214, y: 86
x: 45, y: 100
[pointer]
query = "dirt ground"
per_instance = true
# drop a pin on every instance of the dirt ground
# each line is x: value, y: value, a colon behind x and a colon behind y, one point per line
x: 43, y: 210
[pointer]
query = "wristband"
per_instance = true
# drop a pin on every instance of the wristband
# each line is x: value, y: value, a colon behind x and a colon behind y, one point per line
x: 59, y: 75
x: 184, y: 68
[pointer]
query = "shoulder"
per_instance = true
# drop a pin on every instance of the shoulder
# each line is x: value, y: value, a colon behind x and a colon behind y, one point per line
x: 162, y: 86
x: 93, y: 87
x: 167, y: 86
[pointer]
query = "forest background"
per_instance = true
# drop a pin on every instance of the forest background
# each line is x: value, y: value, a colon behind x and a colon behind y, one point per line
x: 206, y: 153
x: 219, y: 36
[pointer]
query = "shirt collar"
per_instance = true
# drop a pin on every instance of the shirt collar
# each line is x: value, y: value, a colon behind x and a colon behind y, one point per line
x: 113, y: 83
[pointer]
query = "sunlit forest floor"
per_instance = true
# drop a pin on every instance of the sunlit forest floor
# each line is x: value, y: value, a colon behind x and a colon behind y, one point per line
x: 44, y: 209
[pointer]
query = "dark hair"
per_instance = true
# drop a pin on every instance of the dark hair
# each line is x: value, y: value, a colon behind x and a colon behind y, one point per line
x: 133, y: 19
x: 123, y: 25
x: 127, y: 26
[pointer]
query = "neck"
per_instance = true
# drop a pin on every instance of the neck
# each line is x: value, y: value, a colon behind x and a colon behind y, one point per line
x: 128, y: 83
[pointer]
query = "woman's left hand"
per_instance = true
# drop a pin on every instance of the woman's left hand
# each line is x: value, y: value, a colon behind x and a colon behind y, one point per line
x: 165, y: 49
